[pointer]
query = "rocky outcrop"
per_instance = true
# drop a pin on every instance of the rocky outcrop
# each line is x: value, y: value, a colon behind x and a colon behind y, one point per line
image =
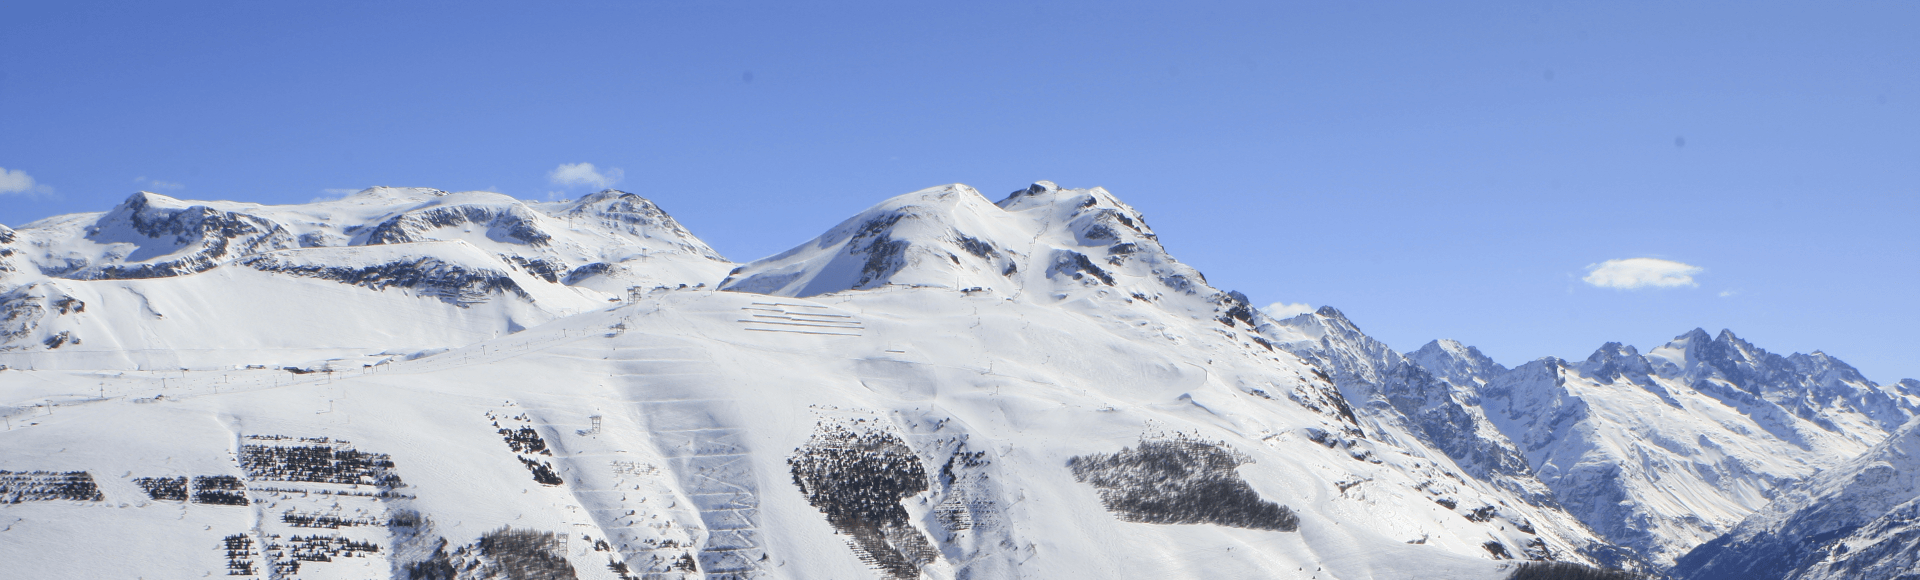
x: 170, y: 240
x: 431, y: 276
x: 1858, y: 520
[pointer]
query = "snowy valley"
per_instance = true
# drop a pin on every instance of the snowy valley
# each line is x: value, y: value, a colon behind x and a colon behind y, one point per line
x: 410, y: 383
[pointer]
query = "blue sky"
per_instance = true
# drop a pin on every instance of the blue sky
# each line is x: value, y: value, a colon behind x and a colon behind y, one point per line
x: 1432, y: 169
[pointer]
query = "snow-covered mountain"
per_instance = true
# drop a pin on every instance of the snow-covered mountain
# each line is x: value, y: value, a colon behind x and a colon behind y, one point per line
x: 1858, y: 520
x: 164, y: 283
x: 1664, y: 451
x: 1428, y: 405
x: 942, y: 386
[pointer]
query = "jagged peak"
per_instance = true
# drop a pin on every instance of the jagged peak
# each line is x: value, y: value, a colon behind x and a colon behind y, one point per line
x: 1613, y: 350
x: 1457, y: 362
x: 1446, y: 347
x: 1332, y: 313
x: 1615, y: 360
x: 1322, y: 321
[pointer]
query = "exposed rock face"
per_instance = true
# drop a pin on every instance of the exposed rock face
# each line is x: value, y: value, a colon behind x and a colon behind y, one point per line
x: 1858, y: 520
x: 513, y: 223
x: 462, y: 249
x: 426, y: 275
x: 1816, y: 387
x: 155, y: 236
x: 7, y: 253
x: 1457, y: 363
x: 1042, y: 240
x: 1447, y: 416
x: 1662, y: 451
x: 177, y: 240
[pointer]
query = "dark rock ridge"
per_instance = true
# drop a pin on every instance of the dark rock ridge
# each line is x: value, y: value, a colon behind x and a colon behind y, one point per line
x: 1790, y: 398
x: 1858, y: 520
x: 1462, y: 365
x: 1444, y: 415
x: 426, y: 275
x: 939, y: 237
x: 514, y: 222
x: 6, y: 254
x: 193, y: 239
x: 1807, y: 385
x: 154, y: 236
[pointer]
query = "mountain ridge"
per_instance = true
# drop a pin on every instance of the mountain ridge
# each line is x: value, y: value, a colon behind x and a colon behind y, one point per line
x: 983, y: 389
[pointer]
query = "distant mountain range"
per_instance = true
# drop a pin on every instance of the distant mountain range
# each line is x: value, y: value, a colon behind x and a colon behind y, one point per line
x: 411, y: 383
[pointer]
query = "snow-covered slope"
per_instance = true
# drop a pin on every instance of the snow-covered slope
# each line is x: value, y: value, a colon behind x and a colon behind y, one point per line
x: 1057, y: 244
x: 1397, y: 390
x: 163, y: 283
x: 1664, y: 451
x: 1857, y: 521
x: 1077, y: 404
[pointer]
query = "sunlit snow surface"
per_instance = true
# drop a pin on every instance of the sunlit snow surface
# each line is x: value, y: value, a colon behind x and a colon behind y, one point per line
x: 698, y: 415
x: 409, y: 383
x: 927, y: 423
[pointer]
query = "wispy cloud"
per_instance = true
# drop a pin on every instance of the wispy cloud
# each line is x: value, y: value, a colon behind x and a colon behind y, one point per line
x: 333, y: 193
x: 571, y: 174
x: 1726, y: 293
x: 1285, y: 310
x: 17, y: 182
x: 1636, y: 273
x: 157, y: 185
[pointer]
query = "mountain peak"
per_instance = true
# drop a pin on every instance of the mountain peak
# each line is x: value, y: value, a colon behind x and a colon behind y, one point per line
x: 947, y: 235
x: 1457, y: 363
x: 1614, y: 360
x: 1038, y: 187
x: 1042, y: 241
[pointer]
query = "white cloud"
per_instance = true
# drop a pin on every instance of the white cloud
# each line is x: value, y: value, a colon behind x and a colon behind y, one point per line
x: 16, y: 181
x: 157, y: 184
x: 570, y: 174
x: 1726, y: 293
x: 1634, y: 273
x: 1285, y: 310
